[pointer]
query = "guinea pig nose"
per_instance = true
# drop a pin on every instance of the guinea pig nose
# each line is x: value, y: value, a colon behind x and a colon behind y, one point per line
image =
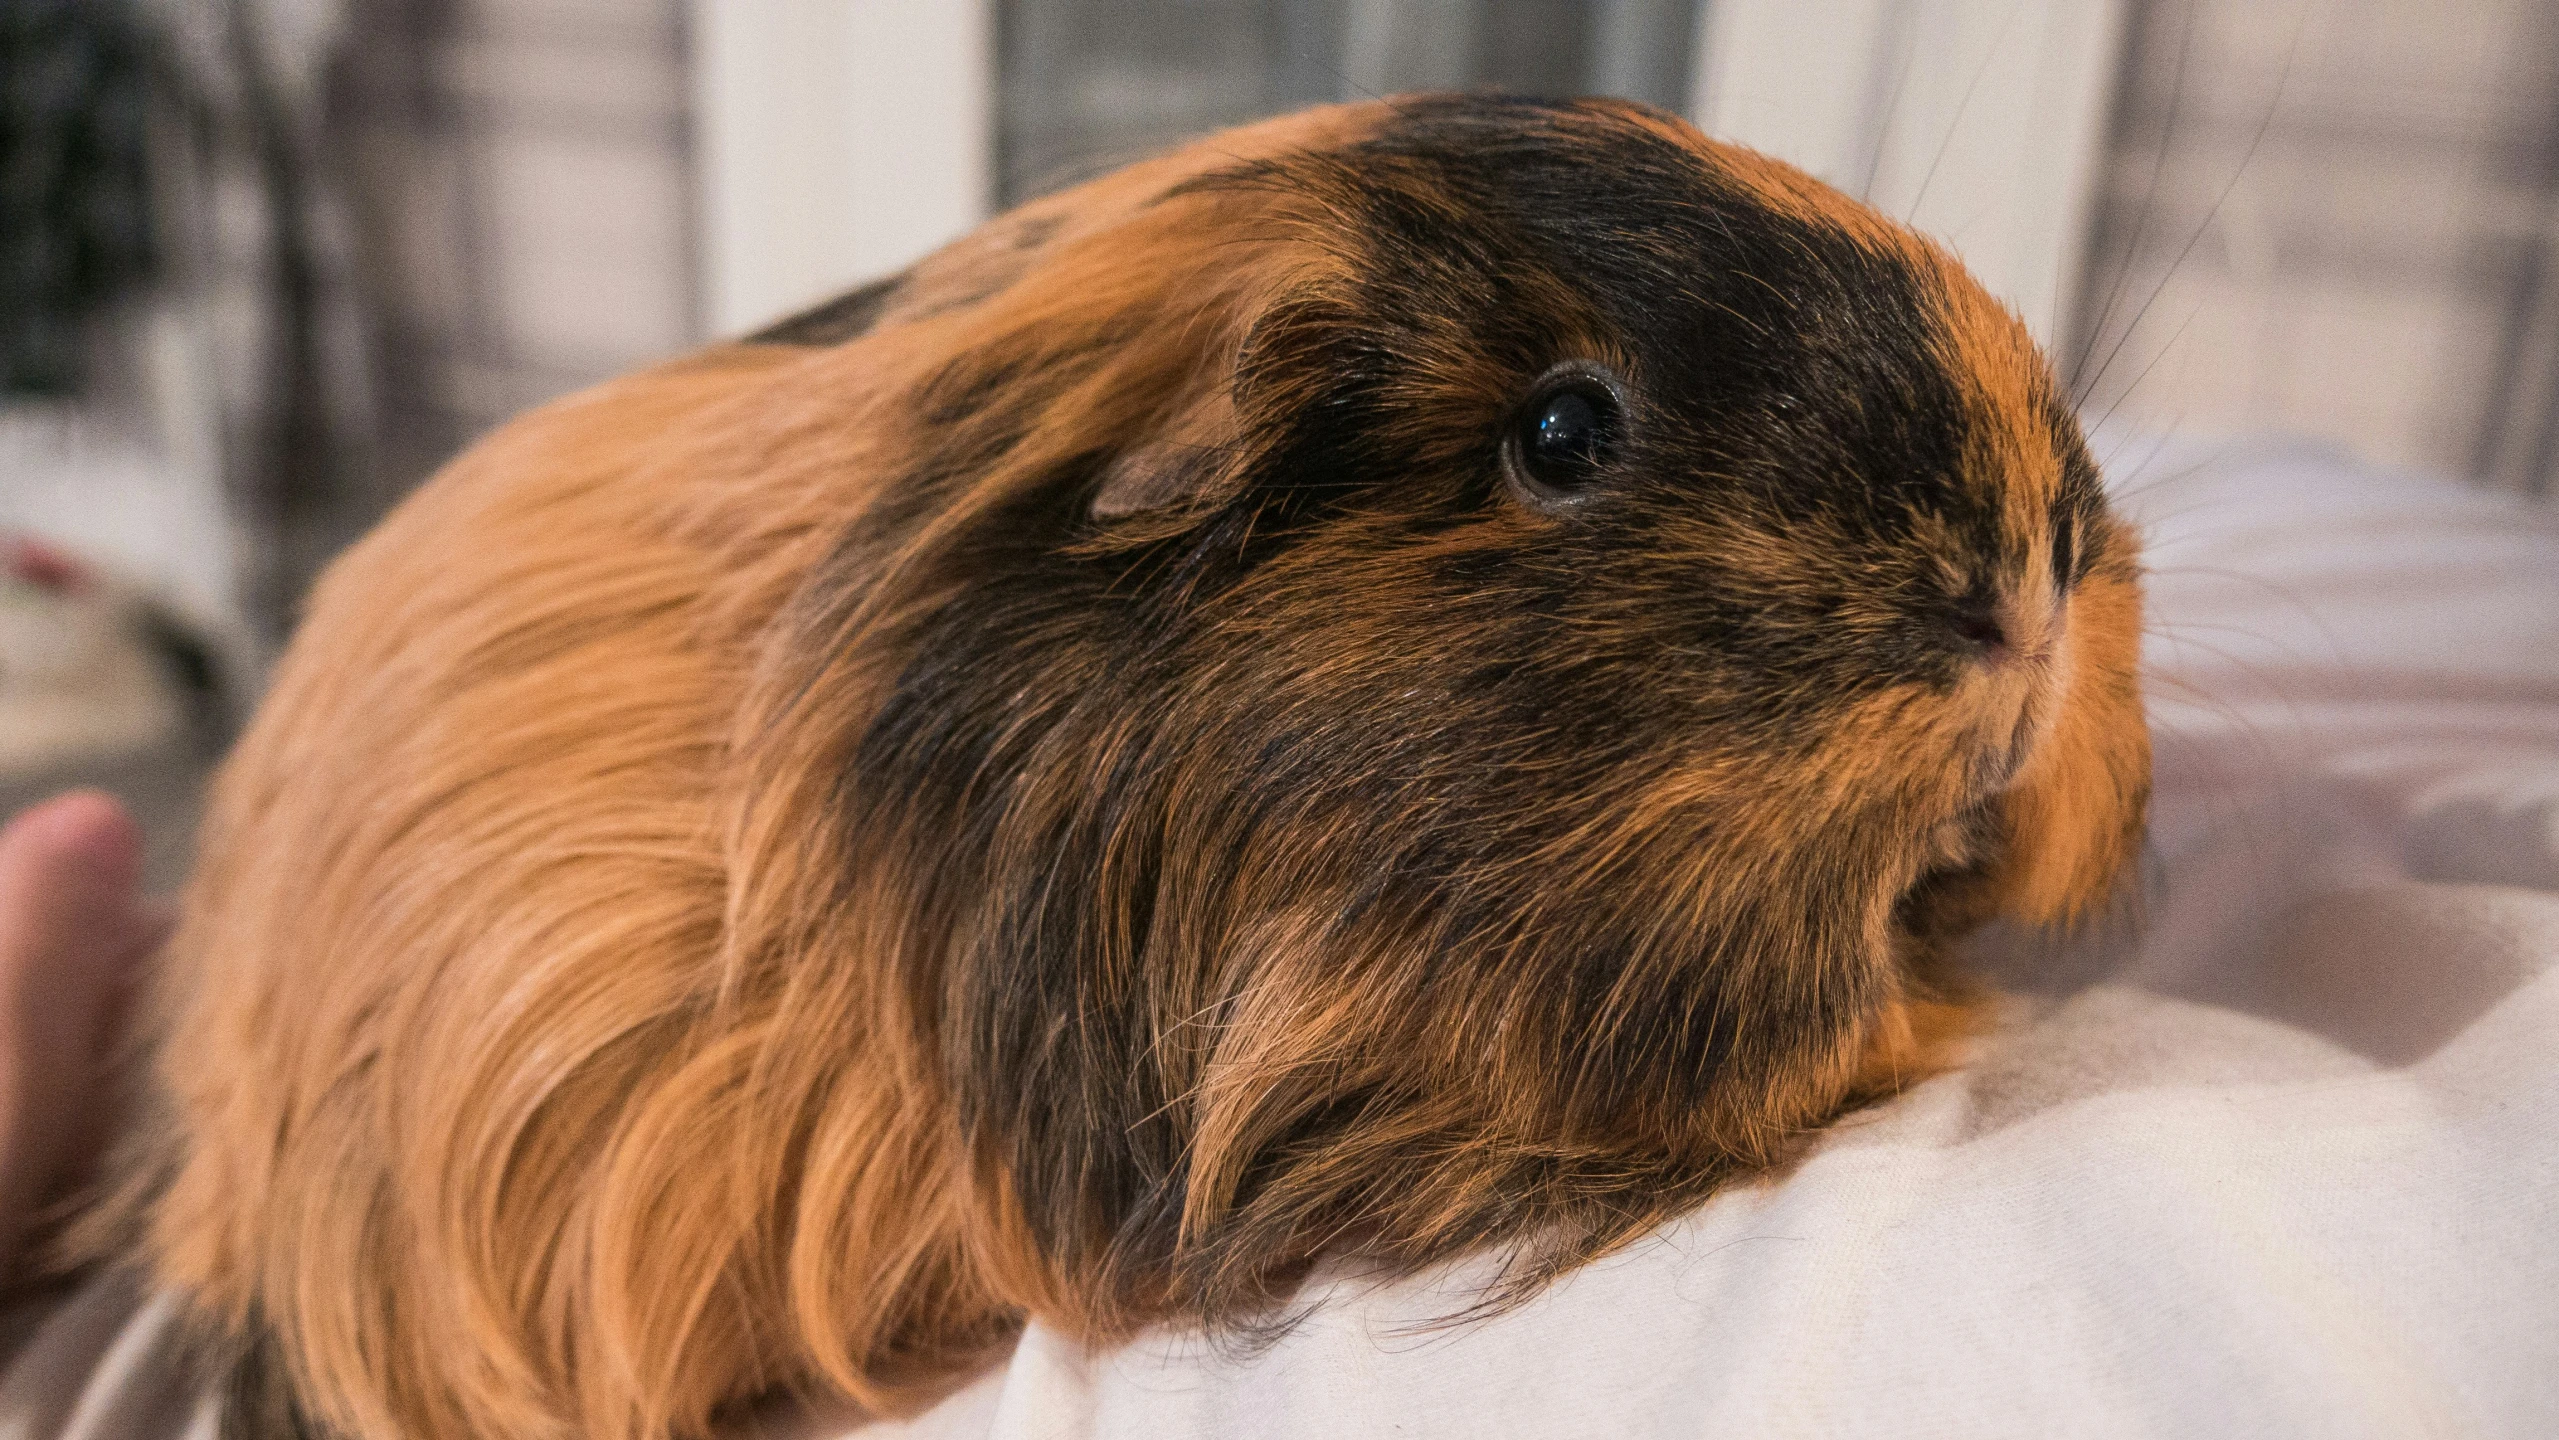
x: 1976, y: 620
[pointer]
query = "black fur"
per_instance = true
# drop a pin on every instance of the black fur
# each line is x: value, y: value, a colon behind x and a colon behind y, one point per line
x: 848, y: 316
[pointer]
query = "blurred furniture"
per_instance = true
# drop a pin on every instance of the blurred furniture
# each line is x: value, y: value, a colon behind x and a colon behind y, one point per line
x: 185, y: 461
x: 210, y: 409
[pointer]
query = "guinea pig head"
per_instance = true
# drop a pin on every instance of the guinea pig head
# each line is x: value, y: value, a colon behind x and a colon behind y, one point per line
x: 1436, y: 684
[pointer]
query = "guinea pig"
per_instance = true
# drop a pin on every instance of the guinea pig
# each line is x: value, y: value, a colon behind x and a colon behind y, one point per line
x: 1419, y: 678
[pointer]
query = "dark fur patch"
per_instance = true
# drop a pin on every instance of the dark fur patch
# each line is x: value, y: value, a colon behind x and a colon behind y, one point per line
x: 848, y: 316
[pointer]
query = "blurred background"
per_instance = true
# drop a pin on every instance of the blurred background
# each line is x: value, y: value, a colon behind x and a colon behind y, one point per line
x: 264, y: 264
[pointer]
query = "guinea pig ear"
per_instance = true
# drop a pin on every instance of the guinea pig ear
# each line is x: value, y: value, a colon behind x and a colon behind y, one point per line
x: 1191, y: 458
x: 2075, y: 816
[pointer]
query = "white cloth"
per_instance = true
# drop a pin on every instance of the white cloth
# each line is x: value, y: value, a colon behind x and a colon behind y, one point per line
x: 2283, y: 1162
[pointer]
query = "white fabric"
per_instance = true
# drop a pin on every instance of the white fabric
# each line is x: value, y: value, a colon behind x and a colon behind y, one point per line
x: 2286, y: 1162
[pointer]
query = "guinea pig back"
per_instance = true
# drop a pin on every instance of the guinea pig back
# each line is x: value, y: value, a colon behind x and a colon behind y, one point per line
x: 1416, y: 678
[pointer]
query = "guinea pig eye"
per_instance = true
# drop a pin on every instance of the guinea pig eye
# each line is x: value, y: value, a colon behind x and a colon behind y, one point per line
x: 1566, y: 435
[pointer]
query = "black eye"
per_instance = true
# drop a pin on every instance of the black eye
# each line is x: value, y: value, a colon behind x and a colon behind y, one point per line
x: 2065, y: 549
x: 1565, y: 436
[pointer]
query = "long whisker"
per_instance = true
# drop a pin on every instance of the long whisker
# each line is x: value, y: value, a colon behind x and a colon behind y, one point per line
x: 2149, y: 194
x: 2301, y: 607
x: 1892, y: 105
x: 1957, y: 123
x: 2174, y: 336
x: 2124, y: 441
x: 2292, y: 52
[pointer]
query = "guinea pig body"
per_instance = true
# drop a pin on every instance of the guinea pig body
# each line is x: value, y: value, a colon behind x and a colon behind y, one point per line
x: 1412, y: 678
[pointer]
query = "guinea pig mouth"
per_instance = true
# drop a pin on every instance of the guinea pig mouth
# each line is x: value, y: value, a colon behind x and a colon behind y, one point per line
x: 2019, y: 695
x: 2003, y: 753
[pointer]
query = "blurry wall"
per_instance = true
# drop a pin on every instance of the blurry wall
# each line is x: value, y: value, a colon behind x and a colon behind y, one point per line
x: 518, y: 174
x: 2350, y: 203
x: 2379, y: 265
x: 835, y: 141
x: 1981, y: 122
x: 2340, y: 218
